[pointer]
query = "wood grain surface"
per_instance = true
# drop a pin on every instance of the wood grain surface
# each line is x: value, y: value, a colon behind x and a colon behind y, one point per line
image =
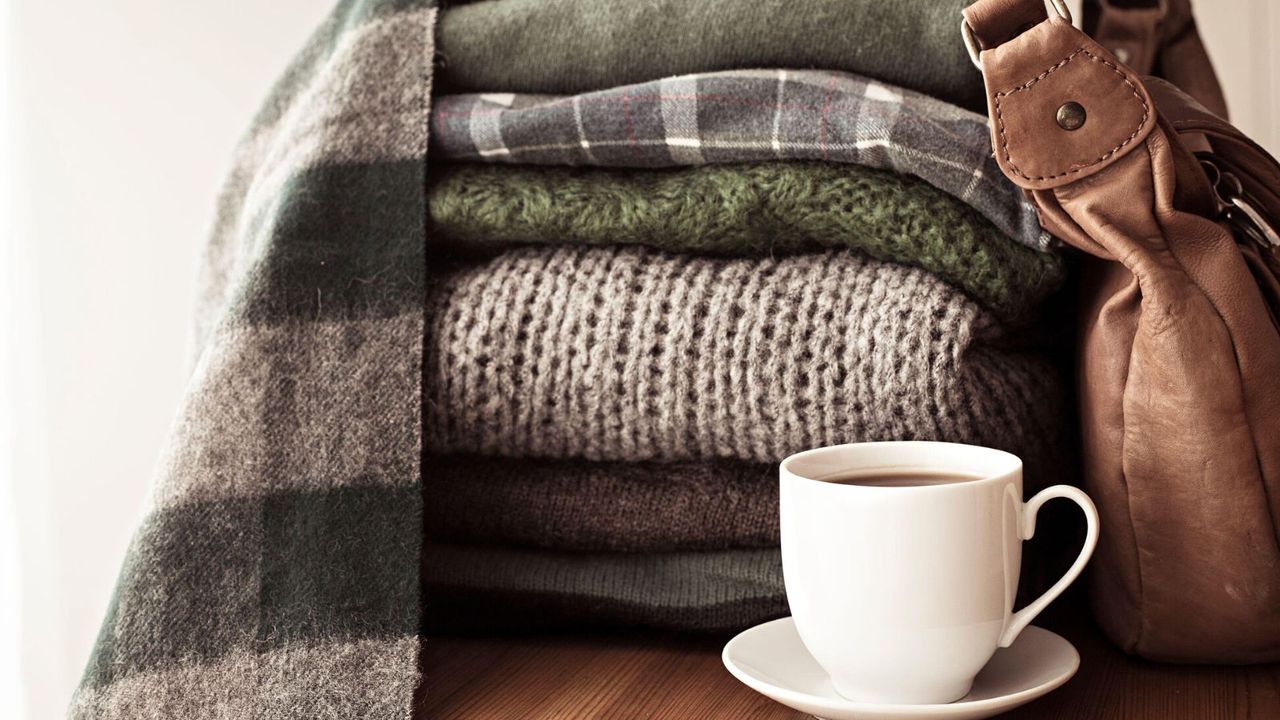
x: 663, y: 676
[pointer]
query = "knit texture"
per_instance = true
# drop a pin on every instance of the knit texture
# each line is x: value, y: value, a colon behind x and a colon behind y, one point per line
x: 488, y: 589
x: 742, y: 210
x: 745, y: 116
x: 568, y: 46
x: 580, y: 505
x: 275, y: 572
x: 625, y: 353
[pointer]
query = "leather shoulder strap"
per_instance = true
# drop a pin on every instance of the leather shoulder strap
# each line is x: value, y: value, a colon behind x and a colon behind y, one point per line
x: 1158, y: 37
x: 1062, y: 107
x: 1130, y: 30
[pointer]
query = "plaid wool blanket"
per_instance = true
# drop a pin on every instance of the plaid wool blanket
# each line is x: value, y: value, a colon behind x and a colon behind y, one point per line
x: 275, y: 574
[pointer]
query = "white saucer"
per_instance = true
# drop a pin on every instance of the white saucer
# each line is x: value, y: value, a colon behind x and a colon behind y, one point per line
x: 771, y: 659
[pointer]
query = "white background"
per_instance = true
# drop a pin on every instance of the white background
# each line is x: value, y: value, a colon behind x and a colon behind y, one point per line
x: 122, y: 115
x: 117, y: 118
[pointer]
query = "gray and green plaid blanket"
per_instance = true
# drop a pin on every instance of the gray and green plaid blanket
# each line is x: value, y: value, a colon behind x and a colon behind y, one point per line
x: 276, y: 571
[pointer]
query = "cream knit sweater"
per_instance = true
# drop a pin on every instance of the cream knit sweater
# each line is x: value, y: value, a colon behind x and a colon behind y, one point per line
x: 623, y: 353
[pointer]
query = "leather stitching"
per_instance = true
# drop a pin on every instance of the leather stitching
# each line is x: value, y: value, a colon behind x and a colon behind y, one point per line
x: 1004, y: 139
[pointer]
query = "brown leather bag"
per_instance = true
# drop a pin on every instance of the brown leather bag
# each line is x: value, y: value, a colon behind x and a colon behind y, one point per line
x: 1179, y: 352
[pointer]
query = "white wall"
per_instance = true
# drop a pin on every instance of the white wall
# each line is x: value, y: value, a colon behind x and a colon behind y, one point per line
x: 124, y: 114
x: 121, y: 116
x: 1243, y: 38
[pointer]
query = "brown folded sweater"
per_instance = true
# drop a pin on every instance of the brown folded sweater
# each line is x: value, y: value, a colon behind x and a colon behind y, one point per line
x: 583, y: 505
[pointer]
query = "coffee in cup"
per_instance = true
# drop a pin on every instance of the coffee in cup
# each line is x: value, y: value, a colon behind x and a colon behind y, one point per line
x: 901, y: 563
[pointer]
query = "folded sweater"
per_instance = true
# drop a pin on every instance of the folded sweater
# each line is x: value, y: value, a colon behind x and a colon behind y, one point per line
x: 626, y: 353
x: 742, y: 210
x: 582, y: 505
x: 745, y: 116
x: 488, y: 589
x: 567, y: 46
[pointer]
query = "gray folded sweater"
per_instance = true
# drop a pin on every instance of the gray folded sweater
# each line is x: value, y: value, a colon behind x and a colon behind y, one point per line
x: 487, y: 589
x: 625, y: 353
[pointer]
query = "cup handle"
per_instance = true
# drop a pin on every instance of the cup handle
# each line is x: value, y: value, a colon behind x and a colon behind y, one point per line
x: 1022, y: 618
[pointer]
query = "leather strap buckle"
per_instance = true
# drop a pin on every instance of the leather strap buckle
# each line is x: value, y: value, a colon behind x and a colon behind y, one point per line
x: 1236, y: 207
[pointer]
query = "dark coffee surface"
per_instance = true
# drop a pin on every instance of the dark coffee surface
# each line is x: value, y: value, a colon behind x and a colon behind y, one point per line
x: 906, y: 478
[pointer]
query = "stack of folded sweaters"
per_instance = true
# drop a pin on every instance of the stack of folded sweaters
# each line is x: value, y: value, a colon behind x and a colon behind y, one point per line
x: 645, y: 295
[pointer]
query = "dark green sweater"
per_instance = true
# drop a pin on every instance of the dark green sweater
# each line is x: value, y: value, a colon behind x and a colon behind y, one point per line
x: 741, y: 211
x: 571, y: 46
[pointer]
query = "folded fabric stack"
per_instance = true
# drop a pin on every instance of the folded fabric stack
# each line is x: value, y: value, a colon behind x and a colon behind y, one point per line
x: 647, y: 294
x: 590, y: 372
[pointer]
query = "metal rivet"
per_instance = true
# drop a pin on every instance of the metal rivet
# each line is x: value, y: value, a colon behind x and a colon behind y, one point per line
x: 1122, y: 54
x: 1071, y: 116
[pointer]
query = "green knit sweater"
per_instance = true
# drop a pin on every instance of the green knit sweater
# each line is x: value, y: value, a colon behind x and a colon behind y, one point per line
x: 741, y: 210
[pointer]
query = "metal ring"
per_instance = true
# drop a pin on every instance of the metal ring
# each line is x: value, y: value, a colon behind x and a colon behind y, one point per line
x: 1064, y: 12
x: 975, y: 49
x: 970, y: 42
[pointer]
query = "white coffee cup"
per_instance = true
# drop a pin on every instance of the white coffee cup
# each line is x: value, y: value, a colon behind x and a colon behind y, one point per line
x: 903, y: 593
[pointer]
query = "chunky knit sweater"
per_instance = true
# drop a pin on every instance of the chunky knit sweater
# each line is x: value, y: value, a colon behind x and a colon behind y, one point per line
x: 582, y: 505
x: 742, y: 210
x: 624, y: 353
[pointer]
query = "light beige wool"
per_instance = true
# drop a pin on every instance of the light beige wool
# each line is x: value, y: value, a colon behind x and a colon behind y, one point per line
x: 624, y: 353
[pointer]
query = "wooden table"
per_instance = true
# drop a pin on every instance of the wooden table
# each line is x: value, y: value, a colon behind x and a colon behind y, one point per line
x: 659, y: 676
